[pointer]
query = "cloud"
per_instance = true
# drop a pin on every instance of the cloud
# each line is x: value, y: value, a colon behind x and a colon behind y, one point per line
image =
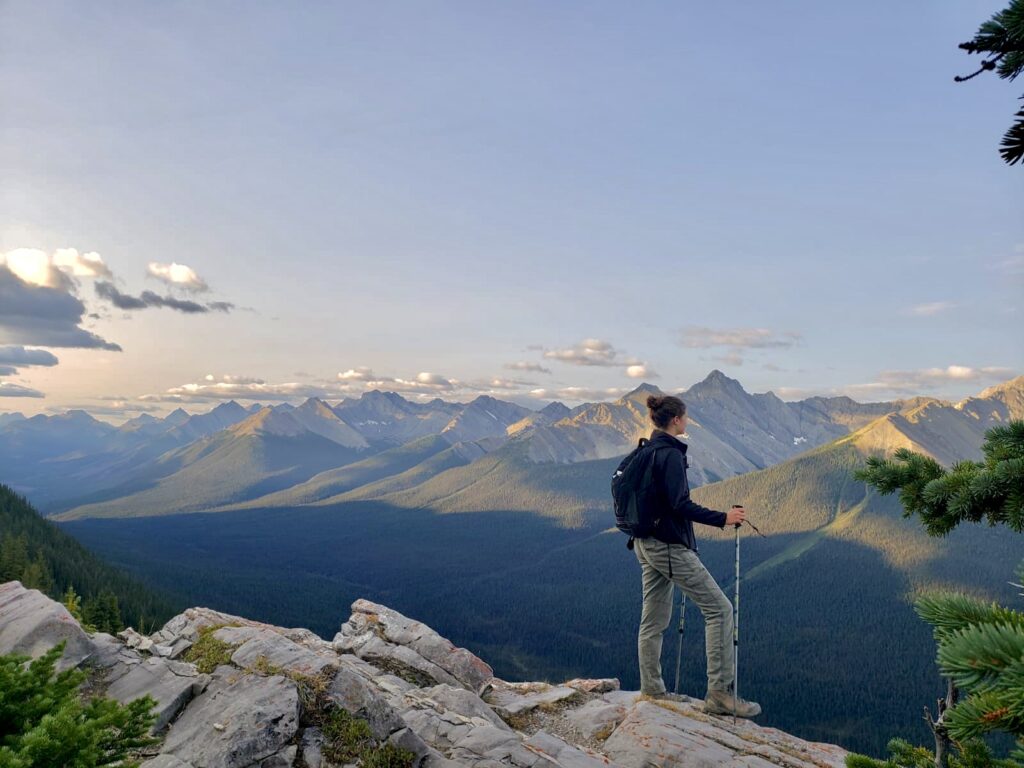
x: 358, y: 374
x: 929, y: 379
x: 56, y: 270
x: 108, y: 291
x: 700, y: 337
x: 177, y: 276
x: 90, y: 264
x: 599, y: 353
x: 254, y: 389
x: 526, y: 366
x: 580, y: 394
x: 587, y: 352
x: 7, y: 389
x: 22, y: 356
x: 733, y: 358
x: 640, y: 372
x: 931, y: 308
x: 43, y: 315
x: 906, y: 383
x: 772, y: 367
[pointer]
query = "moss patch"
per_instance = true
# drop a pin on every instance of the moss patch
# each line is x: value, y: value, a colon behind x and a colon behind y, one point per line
x: 207, y: 652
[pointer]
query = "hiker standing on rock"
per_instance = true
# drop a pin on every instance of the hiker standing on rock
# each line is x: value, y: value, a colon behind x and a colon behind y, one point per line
x: 669, y: 556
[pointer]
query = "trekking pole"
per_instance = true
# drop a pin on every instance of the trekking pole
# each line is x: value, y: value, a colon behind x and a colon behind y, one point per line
x: 736, y: 628
x: 682, y: 623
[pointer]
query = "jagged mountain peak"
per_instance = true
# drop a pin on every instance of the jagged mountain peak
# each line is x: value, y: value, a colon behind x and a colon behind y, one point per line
x: 716, y: 382
x: 1015, y: 385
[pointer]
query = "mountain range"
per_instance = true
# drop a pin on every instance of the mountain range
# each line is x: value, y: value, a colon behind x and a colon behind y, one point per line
x: 381, y: 444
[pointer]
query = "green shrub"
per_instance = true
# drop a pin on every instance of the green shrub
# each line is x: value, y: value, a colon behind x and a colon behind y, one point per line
x: 45, y: 724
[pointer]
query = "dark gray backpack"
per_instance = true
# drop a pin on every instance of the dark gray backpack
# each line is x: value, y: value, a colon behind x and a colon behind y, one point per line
x: 635, y: 494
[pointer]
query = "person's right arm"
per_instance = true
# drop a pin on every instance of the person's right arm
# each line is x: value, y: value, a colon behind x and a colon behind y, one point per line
x: 679, y: 494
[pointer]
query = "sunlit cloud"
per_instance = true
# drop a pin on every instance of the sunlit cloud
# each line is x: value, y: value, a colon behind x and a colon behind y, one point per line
x: 90, y: 264
x: 588, y: 352
x: 178, y: 276
x: 640, y: 372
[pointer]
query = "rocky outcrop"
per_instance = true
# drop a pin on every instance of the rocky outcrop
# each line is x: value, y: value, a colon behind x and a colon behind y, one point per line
x: 275, y: 698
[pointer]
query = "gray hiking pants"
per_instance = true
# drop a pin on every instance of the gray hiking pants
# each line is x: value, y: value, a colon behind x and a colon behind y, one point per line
x: 690, y: 575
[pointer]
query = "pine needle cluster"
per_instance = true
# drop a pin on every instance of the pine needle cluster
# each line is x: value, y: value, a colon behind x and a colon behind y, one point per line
x: 1001, y: 41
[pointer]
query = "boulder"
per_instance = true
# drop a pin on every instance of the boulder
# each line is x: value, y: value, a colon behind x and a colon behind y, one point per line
x: 376, y: 620
x: 31, y: 624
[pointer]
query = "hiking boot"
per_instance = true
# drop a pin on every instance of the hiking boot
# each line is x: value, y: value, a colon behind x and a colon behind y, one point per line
x: 723, y: 702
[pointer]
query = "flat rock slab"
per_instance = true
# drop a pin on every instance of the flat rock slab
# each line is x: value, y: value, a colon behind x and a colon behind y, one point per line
x: 278, y: 651
x: 597, y: 718
x: 172, y: 684
x: 470, y: 671
x: 236, y: 724
x: 507, y: 702
x: 31, y: 624
x: 680, y: 735
x: 563, y: 754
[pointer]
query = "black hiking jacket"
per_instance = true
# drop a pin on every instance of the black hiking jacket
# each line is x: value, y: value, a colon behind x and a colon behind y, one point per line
x: 676, y: 523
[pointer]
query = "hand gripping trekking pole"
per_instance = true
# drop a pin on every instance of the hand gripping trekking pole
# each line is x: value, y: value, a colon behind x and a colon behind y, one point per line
x: 679, y: 647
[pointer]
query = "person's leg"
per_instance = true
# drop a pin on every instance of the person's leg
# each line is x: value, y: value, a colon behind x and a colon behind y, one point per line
x: 689, y: 573
x: 656, y: 615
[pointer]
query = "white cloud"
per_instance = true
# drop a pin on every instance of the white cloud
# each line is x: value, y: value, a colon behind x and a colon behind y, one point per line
x: 700, y: 337
x: 177, y: 275
x: 931, y: 308
x: 587, y: 352
x: 37, y: 267
x: 358, y: 374
x: 640, y: 371
x: 80, y: 264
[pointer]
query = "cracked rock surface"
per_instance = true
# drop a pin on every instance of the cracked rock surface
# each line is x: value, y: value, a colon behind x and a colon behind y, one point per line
x: 268, y: 705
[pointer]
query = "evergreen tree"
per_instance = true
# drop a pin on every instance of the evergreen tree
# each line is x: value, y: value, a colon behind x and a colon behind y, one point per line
x: 102, y: 613
x: 37, y: 575
x: 1001, y: 39
x: 73, y: 602
x: 981, y: 645
x: 13, y: 557
x: 44, y: 723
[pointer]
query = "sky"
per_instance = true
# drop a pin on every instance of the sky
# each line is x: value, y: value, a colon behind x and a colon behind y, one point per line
x: 266, y: 201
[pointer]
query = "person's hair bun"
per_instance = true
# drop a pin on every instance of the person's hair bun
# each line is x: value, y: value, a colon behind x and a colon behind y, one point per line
x: 654, y: 402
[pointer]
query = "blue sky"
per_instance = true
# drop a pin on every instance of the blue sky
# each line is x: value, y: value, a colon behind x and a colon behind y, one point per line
x: 795, y: 193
